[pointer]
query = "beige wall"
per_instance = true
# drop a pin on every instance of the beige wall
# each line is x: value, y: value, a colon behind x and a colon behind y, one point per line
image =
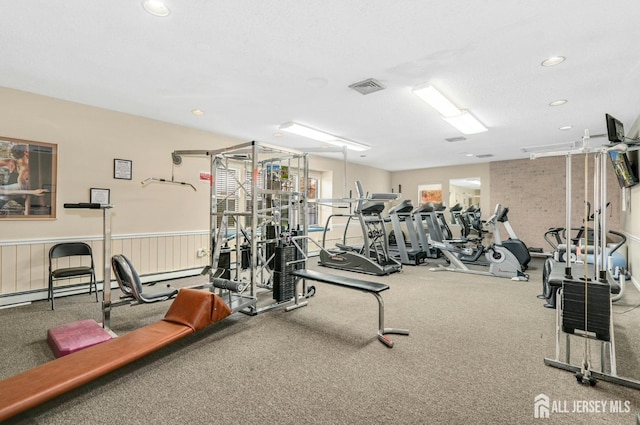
x: 90, y: 138
x: 156, y: 215
x: 410, y: 180
x: 335, y: 186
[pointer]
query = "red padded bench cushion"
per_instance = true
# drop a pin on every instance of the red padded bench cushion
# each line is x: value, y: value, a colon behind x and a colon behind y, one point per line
x: 72, y: 337
x: 191, y: 310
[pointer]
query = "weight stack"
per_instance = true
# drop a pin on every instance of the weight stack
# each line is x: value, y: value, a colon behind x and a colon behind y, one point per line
x: 598, y: 308
x: 245, y: 252
x: 283, y: 281
x: 270, y: 246
x: 299, y: 254
x: 224, y: 262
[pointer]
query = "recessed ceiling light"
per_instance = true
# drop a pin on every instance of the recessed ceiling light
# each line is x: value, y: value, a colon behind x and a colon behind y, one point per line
x: 566, y: 127
x: 553, y: 61
x: 156, y: 8
x: 197, y: 112
x: 558, y: 102
x: 469, y: 154
x: 277, y: 134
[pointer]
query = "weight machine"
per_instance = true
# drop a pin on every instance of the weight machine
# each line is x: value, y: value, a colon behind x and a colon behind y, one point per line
x: 585, y: 307
x: 258, y: 208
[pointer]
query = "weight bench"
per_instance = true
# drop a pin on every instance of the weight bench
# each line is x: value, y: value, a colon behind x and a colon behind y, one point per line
x: 191, y: 311
x: 374, y: 288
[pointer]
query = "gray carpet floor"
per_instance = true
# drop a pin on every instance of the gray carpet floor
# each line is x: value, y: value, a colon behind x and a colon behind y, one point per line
x: 474, y: 356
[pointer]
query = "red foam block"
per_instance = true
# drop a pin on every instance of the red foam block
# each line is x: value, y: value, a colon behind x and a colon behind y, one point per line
x: 72, y: 337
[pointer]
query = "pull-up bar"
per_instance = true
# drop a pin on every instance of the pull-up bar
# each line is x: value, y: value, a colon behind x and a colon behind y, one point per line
x: 155, y: 179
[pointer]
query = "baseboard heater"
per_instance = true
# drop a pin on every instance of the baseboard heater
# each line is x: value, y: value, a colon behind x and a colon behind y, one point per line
x: 17, y: 299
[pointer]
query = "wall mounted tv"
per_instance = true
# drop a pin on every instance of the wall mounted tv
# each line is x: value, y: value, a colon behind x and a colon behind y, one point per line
x: 623, y: 167
x: 615, y: 129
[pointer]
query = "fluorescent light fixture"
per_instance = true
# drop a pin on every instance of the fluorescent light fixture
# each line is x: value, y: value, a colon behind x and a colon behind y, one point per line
x: 354, y: 146
x: 466, y: 123
x: 321, y: 136
x: 436, y: 100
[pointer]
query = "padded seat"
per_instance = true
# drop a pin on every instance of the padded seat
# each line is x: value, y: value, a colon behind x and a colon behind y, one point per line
x: 71, y: 249
x: 131, y: 286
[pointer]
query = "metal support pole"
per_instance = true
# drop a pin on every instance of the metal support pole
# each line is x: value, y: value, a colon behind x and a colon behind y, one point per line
x: 106, y: 262
x: 568, y: 214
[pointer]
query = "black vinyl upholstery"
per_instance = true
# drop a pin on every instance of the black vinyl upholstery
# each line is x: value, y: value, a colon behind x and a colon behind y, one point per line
x: 71, y: 249
x: 130, y: 284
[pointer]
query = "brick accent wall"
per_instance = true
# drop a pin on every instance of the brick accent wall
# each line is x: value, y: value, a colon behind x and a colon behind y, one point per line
x: 534, y: 191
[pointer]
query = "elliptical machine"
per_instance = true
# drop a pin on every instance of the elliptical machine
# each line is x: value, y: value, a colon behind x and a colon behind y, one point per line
x: 502, y: 262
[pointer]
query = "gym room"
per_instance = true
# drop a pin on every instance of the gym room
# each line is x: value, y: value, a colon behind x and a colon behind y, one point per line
x: 336, y: 212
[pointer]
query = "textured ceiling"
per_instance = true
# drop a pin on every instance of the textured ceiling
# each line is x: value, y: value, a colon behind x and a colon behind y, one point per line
x: 252, y: 65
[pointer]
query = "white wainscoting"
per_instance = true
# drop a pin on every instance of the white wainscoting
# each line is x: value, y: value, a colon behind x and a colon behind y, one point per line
x: 24, y: 264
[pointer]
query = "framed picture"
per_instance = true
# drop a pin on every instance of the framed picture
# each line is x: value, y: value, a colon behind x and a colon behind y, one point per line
x: 99, y: 196
x: 122, y: 169
x: 28, y: 172
x: 429, y: 193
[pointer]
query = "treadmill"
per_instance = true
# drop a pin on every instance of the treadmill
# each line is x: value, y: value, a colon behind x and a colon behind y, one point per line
x: 373, y: 256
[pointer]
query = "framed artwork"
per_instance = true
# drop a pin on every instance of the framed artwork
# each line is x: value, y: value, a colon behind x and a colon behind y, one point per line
x: 28, y: 172
x: 99, y: 196
x: 429, y: 193
x: 122, y: 169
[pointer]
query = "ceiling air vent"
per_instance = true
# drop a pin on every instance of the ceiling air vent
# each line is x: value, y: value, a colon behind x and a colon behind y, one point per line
x: 484, y: 155
x: 367, y: 86
x: 455, y: 139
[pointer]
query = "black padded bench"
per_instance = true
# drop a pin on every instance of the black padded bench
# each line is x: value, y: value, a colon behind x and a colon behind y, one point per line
x: 373, y: 288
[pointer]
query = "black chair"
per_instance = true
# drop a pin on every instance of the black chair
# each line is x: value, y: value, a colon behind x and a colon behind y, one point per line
x: 71, y: 249
x: 130, y: 285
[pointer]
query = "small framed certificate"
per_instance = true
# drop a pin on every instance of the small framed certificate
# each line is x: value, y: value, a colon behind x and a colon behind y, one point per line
x: 122, y: 169
x: 99, y: 196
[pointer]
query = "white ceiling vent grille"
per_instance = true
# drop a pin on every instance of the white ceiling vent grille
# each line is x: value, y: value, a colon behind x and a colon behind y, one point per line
x: 455, y: 139
x: 367, y: 86
x: 484, y: 155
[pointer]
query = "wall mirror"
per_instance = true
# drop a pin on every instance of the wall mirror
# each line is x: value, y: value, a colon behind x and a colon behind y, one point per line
x: 465, y: 192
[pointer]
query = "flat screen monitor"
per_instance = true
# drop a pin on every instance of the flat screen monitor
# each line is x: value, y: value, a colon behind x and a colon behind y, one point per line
x: 615, y: 129
x: 623, y: 169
